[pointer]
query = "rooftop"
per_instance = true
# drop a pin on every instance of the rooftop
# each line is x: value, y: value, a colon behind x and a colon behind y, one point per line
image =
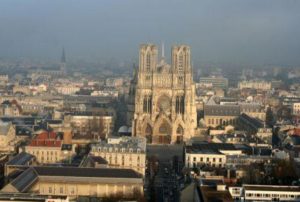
x: 271, y: 188
x: 86, y: 172
x: 20, y: 159
x: 30, y: 176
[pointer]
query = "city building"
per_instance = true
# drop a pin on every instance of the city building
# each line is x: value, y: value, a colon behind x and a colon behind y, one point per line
x: 87, y: 122
x: 210, y: 154
x: 3, y: 79
x: 10, y: 108
x: 255, y: 84
x: 123, y: 152
x: 75, y: 182
x: 220, y: 113
x: 162, y: 97
x: 224, y: 111
x: 48, y: 148
x: 19, y: 162
x: 215, y: 82
x: 296, y: 108
x: 256, y: 127
x: 265, y: 193
x: 8, y: 138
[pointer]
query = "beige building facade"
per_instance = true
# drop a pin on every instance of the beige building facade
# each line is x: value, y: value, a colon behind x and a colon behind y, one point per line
x: 162, y: 106
x: 75, y: 182
x: 7, y: 137
x: 125, y: 152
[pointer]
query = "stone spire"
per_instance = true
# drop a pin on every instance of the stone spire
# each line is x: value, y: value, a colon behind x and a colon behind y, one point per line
x: 162, y: 51
x: 63, y: 56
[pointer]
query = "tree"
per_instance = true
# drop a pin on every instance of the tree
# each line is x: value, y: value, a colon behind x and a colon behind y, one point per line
x: 96, y: 127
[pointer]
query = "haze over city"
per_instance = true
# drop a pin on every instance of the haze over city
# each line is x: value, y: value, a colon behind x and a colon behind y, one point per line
x: 230, y: 31
x: 149, y: 101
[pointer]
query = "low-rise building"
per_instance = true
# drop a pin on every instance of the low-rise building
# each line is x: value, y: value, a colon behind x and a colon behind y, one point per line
x: 211, y: 154
x: 215, y: 82
x: 124, y: 152
x: 7, y: 137
x: 196, y: 157
x: 296, y: 108
x: 224, y: 111
x: 10, y: 108
x: 76, y: 182
x: 255, y: 84
x: 19, y: 162
x: 85, y: 122
x: 48, y: 148
x: 256, y: 127
x: 265, y: 193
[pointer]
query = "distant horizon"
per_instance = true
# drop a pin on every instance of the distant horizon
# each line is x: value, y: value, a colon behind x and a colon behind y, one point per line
x: 251, y: 32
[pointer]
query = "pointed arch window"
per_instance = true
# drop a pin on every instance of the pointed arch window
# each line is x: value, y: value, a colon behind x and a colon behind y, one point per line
x: 180, y: 62
x: 148, y: 62
x: 147, y: 104
x: 179, y: 105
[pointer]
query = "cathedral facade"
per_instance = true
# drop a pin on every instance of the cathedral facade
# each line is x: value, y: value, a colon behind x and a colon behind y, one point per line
x: 162, y: 96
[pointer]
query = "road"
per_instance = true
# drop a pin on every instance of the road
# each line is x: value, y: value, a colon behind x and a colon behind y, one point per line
x: 166, y: 183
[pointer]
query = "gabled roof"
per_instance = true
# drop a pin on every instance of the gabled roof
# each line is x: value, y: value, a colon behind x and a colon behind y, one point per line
x: 24, y: 181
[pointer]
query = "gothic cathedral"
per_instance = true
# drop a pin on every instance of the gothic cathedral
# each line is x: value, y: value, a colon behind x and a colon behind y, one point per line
x: 162, y: 96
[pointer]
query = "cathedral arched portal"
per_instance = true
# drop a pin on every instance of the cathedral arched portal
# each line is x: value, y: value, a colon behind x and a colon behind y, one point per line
x: 148, y: 134
x: 162, y: 133
x: 179, y: 134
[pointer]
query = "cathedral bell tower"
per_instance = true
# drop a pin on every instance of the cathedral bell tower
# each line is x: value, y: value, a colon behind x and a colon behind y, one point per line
x: 164, y: 96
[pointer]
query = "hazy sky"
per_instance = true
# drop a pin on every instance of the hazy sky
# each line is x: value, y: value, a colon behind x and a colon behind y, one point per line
x: 222, y: 31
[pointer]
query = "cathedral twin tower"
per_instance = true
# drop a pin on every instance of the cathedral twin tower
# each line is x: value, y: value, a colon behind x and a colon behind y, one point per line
x: 162, y: 97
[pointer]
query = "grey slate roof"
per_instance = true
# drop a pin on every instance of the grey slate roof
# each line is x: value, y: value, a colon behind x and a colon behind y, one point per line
x: 24, y: 181
x: 87, y: 172
x: 221, y: 110
x: 20, y: 159
x: 28, y: 178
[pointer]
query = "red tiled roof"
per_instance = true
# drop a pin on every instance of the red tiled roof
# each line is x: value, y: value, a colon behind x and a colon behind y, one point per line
x: 297, y: 131
x: 46, y: 135
x: 46, y: 139
x: 45, y: 143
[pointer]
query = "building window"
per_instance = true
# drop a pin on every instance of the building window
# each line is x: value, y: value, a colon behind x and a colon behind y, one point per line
x: 61, y: 190
x: 194, y: 158
x: 180, y: 80
x: 50, y: 189
x: 148, y: 62
x: 180, y: 63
